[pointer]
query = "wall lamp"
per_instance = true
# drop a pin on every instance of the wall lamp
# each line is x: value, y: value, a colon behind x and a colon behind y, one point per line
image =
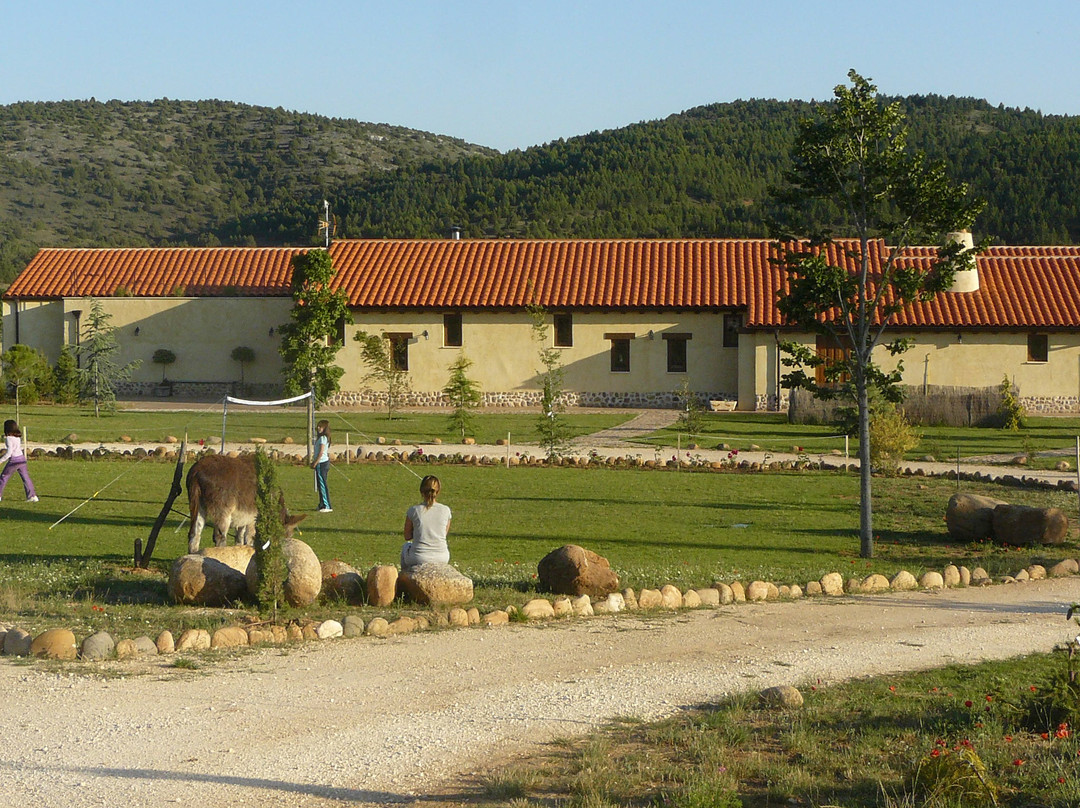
x: 959, y: 337
x: 271, y: 332
x: 136, y: 331
x: 425, y: 335
x: 651, y: 334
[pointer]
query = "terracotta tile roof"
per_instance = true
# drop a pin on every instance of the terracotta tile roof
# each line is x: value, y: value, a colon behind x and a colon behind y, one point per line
x: 1020, y: 287
x: 155, y: 272
x: 572, y: 274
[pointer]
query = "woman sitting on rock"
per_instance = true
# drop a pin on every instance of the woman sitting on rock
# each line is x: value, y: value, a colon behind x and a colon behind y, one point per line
x: 426, y: 526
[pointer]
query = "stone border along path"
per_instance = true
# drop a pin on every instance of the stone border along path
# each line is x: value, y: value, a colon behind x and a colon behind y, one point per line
x: 334, y: 723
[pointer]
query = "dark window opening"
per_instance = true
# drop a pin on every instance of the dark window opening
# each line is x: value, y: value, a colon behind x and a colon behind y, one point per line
x: 620, y: 352
x: 452, y: 330
x: 399, y: 350
x: 564, y: 330
x: 676, y: 352
x: 1038, y: 348
x: 732, y: 325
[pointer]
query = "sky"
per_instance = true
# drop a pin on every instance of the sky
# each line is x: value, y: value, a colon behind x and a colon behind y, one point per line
x: 510, y: 74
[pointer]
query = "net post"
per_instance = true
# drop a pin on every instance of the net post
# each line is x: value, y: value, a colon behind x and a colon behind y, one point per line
x: 224, y: 416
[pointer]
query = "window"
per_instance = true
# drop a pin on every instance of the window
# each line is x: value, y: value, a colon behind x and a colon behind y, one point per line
x: 676, y: 352
x: 732, y: 325
x: 451, y: 325
x: 399, y: 350
x: 620, y: 352
x: 832, y: 350
x: 564, y: 330
x: 1038, y: 348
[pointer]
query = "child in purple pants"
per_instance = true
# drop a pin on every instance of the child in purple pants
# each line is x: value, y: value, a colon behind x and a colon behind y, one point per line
x: 16, y: 460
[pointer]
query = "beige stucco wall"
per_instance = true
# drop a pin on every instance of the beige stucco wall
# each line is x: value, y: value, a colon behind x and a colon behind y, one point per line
x: 965, y: 359
x: 202, y: 332
x: 503, y: 350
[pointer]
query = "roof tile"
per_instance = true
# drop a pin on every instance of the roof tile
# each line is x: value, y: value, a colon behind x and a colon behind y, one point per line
x: 1020, y: 286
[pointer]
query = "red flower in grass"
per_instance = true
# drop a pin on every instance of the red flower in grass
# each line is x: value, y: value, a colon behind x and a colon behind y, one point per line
x: 1045, y: 736
x: 1033, y: 689
x: 1008, y: 739
x: 892, y: 688
x: 978, y: 724
x: 969, y: 703
x: 1061, y: 779
x: 1062, y: 731
x: 989, y: 698
x: 1018, y: 762
x: 935, y: 752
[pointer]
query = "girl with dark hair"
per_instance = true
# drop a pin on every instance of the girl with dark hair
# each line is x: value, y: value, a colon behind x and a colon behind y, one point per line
x: 426, y: 526
x: 16, y: 460
x: 322, y: 464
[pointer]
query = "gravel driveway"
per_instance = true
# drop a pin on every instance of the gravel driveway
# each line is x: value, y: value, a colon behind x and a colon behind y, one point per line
x: 363, y: 721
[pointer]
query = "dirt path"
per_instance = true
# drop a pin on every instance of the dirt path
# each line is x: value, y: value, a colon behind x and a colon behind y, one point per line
x: 355, y: 722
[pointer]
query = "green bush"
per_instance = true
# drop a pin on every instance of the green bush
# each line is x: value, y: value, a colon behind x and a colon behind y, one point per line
x: 1011, y: 411
x: 891, y: 437
x: 954, y: 778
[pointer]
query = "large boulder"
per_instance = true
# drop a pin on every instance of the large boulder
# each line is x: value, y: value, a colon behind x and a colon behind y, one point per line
x: 970, y: 517
x: 200, y: 579
x: 382, y: 585
x: 238, y: 556
x: 56, y: 643
x: 1022, y: 524
x: 573, y: 570
x: 303, y: 582
x: 341, y: 581
x: 436, y: 584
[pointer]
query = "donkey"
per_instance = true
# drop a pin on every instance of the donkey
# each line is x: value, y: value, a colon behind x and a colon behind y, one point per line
x: 221, y: 490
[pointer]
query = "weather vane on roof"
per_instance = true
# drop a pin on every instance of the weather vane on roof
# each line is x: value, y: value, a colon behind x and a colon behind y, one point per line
x: 327, y: 224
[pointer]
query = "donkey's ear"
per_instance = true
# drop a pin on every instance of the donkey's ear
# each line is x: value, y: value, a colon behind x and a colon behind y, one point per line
x: 295, y: 518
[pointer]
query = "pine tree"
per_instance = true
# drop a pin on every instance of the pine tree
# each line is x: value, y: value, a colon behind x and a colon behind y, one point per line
x: 463, y: 395
x: 100, y: 373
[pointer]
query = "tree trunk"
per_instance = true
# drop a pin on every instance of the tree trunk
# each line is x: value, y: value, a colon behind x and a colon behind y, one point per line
x: 866, y: 511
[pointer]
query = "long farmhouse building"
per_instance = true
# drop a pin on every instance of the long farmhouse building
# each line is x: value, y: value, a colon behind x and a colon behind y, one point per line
x: 633, y: 319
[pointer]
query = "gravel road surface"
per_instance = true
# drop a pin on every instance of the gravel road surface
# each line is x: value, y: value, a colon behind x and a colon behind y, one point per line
x: 364, y: 721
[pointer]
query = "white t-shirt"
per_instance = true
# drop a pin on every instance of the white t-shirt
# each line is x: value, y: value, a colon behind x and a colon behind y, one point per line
x: 14, y: 446
x: 429, y: 534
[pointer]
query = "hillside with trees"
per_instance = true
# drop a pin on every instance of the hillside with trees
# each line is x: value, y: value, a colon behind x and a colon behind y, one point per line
x: 86, y: 173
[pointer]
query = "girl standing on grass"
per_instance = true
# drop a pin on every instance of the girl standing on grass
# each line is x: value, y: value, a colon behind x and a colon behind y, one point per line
x: 16, y: 460
x: 322, y: 464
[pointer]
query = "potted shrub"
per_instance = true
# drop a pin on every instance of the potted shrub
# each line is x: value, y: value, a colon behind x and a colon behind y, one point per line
x: 163, y: 357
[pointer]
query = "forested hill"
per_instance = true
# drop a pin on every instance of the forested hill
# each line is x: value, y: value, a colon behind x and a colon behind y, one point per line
x: 210, y: 172
x: 85, y: 173
x: 707, y: 172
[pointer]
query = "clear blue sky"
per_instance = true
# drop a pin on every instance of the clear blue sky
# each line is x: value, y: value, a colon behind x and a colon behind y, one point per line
x: 514, y: 74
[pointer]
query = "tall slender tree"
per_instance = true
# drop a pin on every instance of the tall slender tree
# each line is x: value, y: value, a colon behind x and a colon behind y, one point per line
x: 312, y: 337
x: 100, y: 372
x: 852, y: 170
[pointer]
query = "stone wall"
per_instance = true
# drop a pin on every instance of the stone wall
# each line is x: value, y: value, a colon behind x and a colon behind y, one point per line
x: 197, y: 390
x: 1036, y: 405
x: 526, y: 398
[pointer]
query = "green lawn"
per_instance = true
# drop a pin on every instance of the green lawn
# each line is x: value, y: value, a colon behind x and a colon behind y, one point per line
x: 656, y: 527
x: 896, y: 742
x: 772, y: 432
x: 50, y: 424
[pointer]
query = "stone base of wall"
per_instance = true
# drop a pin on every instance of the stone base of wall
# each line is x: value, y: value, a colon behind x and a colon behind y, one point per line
x: 525, y: 398
x: 769, y: 403
x: 1036, y: 405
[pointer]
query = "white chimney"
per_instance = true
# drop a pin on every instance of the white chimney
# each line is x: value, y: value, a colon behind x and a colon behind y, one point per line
x: 455, y: 233
x: 966, y: 279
